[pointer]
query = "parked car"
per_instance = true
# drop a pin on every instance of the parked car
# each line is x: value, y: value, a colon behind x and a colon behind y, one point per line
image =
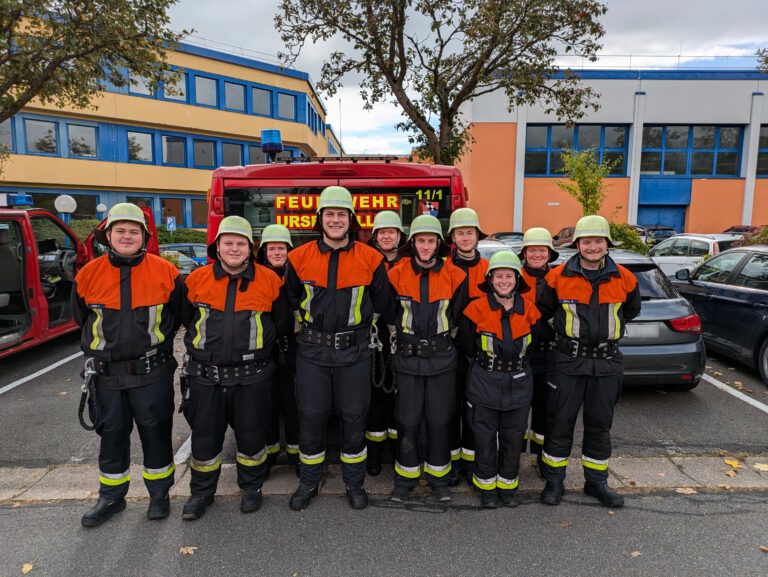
x: 513, y: 239
x: 689, y: 250
x: 742, y: 229
x: 653, y: 234
x: 196, y: 251
x: 186, y: 265
x: 730, y: 294
x: 564, y: 236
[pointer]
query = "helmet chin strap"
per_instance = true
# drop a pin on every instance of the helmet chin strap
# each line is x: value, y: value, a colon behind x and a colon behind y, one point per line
x: 432, y: 257
x: 506, y: 296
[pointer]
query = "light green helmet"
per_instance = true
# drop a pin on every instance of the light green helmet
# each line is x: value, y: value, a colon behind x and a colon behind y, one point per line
x: 126, y: 211
x: 387, y: 219
x: 231, y: 225
x: 462, y: 217
x: 335, y: 197
x: 425, y: 223
x: 592, y: 225
x: 538, y: 236
x: 276, y: 233
x: 504, y: 259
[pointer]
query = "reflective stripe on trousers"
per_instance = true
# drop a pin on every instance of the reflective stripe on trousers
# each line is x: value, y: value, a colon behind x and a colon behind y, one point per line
x: 554, y: 461
x: 312, y: 459
x: 252, y: 460
x: 157, y: 474
x: 596, y: 464
x: 407, y: 472
x: 356, y: 458
x: 114, y: 479
x: 206, y: 466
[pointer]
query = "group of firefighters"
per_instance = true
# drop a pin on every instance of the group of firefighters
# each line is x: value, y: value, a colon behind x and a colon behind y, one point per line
x: 392, y: 334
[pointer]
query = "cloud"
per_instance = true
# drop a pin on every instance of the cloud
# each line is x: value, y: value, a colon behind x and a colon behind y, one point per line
x: 377, y: 143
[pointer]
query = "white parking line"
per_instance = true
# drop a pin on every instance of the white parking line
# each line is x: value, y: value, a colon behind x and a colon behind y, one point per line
x: 34, y: 375
x: 731, y: 391
x: 182, y: 454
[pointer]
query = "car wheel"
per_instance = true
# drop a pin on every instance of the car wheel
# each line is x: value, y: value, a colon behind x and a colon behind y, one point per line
x: 682, y: 387
x: 762, y: 361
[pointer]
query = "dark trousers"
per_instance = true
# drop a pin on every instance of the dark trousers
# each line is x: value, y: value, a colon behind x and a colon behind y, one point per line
x: 538, y: 412
x: 499, y: 440
x: 211, y: 409
x: 151, y: 407
x: 599, y: 395
x: 284, y: 403
x: 463, y: 438
x: 318, y: 388
x: 433, y: 399
x: 381, y: 419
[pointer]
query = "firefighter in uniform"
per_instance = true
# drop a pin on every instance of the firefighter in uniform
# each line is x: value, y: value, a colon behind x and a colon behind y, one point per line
x: 537, y: 252
x: 273, y: 253
x: 590, y: 299
x: 234, y: 312
x: 496, y: 333
x: 430, y: 296
x: 127, y: 304
x: 337, y: 288
x: 464, y: 229
x: 387, y: 237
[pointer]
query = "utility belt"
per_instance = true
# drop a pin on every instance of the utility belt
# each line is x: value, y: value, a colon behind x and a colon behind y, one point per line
x: 339, y: 341
x: 494, y: 363
x: 544, y: 346
x: 412, y: 346
x: 578, y: 350
x: 141, y: 366
x: 225, y: 375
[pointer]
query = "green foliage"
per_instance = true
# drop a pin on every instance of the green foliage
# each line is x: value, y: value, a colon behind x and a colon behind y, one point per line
x: 82, y: 228
x: 433, y: 56
x: 762, y: 60
x: 585, y: 178
x: 65, y: 51
x: 171, y: 257
x: 760, y: 236
x: 628, y: 237
x: 181, y: 235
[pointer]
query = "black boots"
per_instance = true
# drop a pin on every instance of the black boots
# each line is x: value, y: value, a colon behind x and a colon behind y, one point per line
x: 601, y: 492
x: 489, y: 499
x: 509, y: 497
x: 553, y: 493
x: 357, y: 497
x: 400, y: 493
x: 159, y: 508
x: 101, y: 511
x: 195, y: 507
x: 442, y: 493
x: 250, y: 500
x: 302, y: 496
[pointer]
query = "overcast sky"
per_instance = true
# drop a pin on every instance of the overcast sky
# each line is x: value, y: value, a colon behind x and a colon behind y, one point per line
x: 653, y: 32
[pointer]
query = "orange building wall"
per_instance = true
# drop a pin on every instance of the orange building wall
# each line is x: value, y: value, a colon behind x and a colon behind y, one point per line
x: 488, y: 170
x: 715, y: 204
x: 545, y: 204
x: 760, y: 206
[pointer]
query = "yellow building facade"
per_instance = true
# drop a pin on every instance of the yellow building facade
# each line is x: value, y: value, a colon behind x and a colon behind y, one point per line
x: 158, y: 149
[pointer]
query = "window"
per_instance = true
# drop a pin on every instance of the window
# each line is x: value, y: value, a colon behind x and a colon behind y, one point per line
x: 172, y: 207
x: 234, y: 96
x: 699, y: 248
x: 86, y: 204
x: 262, y: 101
x: 257, y: 155
x: 762, y: 153
x: 176, y: 90
x: 199, y: 213
x: 203, y: 154
x: 680, y: 248
x: 754, y: 274
x: 232, y: 154
x: 174, y: 150
x: 713, y: 150
x: 663, y: 248
x: 205, y: 89
x: 41, y: 136
x: 286, y: 106
x: 6, y: 135
x: 141, y: 201
x: 545, y: 144
x: 139, y: 85
x: 719, y: 268
x: 140, y: 146
x: 82, y: 140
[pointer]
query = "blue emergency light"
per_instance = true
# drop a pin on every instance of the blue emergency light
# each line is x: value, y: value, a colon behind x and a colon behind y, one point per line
x: 271, y: 141
x: 15, y: 200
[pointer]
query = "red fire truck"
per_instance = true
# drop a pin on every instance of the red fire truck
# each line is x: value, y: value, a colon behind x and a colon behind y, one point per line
x: 287, y: 192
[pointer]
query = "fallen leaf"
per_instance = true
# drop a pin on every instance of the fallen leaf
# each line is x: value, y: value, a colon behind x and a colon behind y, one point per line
x: 731, y: 473
x: 16, y: 505
x: 751, y: 391
x: 708, y: 367
x: 636, y: 554
x: 611, y: 513
x: 660, y: 474
x: 69, y: 380
x: 296, y: 574
x: 724, y: 486
x: 733, y: 463
x: 565, y: 524
x: 187, y: 550
x: 633, y: 483
x: 764, y: 548
x: 686, y: 490
x: 718, y: 374
x: 739, y: 386
x: 27, y: 567
x: 761, y: 466
x: 62, y: 393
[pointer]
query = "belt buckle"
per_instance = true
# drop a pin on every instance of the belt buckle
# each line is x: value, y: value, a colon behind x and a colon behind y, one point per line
x: 336, y: 337
x: 423, y: 346
x: 215, y: 372
x: 574, y: 349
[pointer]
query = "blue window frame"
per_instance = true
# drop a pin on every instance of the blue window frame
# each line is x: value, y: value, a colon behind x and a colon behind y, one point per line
x: 545, y: 143
x: 231, y: 154
x: 762, y: 153
x: 42, y: 137
x: 206, y: 91
x: 7, y: 136
x: 691, y: 150
x: 234, y: 96
x: 262, y: 101
x: 204, y: 153
x: 83, y: 141
x: 174, y: 150
x: 286, y: 106
x: 140, y: 147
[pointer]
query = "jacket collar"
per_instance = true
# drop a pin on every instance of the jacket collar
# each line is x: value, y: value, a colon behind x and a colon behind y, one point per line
x: 572, y: 267
x: 418, y: 269
x: 537, y: 272
x: 462, y: 262
x: 324, y: 248
x: 518, y: 306
x: 130, y: 261
x: 249, y: 273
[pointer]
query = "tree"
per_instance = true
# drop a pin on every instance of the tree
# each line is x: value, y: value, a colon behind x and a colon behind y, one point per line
x: 65, y: 51
x: 432, y: 56
x: 762, y: 60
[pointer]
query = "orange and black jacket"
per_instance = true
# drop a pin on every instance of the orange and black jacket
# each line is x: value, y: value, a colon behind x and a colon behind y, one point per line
x: 590, y: 310
x: 233, y: 319
x: 475, y: 270
x: 127, y: 307
x: 539, y: 355
x: 489, y: 329
x: 336, y: 291
x: 285, y: 352
x: 428, y: 303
